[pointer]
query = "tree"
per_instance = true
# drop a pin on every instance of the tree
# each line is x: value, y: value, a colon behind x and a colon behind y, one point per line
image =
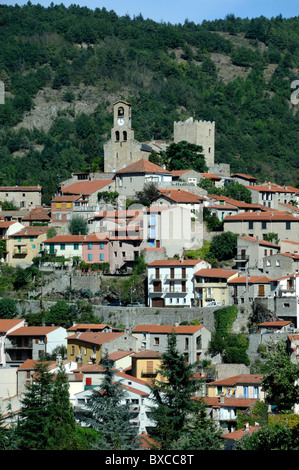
x: 78, y: 226
x: 183, y: 155
x: 8, y: 308
x: 173, y: 396
x: 275, y: 437
x: 145, y: 196
x: 34, y: 415
x: 224, y: 246
x: 59, y: 314
x: 108, y: 413
x: 61, y: 429
x: 280, y: 377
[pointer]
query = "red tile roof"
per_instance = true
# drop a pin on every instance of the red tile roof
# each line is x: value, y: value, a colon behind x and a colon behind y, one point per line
x: 179, y: 195
x: 86, y: 187
x: 270, y: 215
x: 239, y: 433
x: 33, y: 231
x: 20, y: 188
x: 95, y: 338
x: 215, y: 272
x: 243, y: 175
x: 181, y: 329
x: 235, y: 379
x: 7, y: 324
x: 175, y: 262
x: 66, y: 198
x: 87, y: 326
x: 147, y: 354
x: 275, y: 323
x: 65, y: 239
x: 259, y: 241
x: 33, y: 330
x: 143, y: 166
x: 250, y: 280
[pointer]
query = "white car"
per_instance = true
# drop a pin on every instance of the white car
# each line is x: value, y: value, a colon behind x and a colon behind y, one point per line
x: 214, y: 303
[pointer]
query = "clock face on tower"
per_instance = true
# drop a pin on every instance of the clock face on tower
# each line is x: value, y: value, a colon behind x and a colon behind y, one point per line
x: 120, y: 121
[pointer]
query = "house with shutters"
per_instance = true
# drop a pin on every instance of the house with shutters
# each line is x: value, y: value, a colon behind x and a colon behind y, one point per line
x: 192, y: 340
x: 247, y: 288
x: 133, y: 177
x: 26, y: 244
x: 260, y: 223
x: 211, y: 285
x: 89, y: 347
x: 251, y: 252
x: 7, y: 326
x: 62, y: 208
x: 226, y: 396
x: 171, y: 282
x: 32, y: 342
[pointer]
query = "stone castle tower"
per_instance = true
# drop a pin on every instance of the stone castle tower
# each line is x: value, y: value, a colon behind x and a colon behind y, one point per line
x: 199, y: 133
x: 122, y: 149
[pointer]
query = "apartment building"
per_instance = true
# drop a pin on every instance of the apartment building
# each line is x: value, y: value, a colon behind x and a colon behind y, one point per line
x: 171, y: 282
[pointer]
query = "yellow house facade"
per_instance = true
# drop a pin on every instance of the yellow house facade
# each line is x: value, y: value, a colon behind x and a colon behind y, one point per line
x: 90, y: 347
x: 145, y: 365
x: 210, y: 285
x: 26, y: 244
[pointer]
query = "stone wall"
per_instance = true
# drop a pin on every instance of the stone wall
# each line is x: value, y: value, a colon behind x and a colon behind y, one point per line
x: 130, y: 317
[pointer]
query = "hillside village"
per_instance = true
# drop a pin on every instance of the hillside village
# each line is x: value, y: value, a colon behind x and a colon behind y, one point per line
x: 181, y: 292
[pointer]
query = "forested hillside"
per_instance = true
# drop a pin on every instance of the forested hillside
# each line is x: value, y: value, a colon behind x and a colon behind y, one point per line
x: 64, y: 67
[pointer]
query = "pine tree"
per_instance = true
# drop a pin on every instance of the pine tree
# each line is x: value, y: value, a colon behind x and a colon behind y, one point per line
x: 108, y: 413
x: 34, y: 414
x: 61, y: 428
x: 173, y: 396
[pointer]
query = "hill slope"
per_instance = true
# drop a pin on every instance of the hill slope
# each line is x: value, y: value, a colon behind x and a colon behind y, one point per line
x: 64, y: 67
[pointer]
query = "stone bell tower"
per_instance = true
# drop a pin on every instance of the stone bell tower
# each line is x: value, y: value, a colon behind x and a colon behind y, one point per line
x: 122, y: 149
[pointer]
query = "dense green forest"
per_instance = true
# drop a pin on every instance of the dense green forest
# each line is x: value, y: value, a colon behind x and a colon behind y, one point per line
x: 168, y: 72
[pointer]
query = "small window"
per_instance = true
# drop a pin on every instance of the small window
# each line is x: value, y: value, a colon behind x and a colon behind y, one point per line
x: 156, y: 341
x: 101, y: 256
x: 90, y: 246
x: 76, y: 246
x: 62, y: 246
x: 89, y: 257
x: 288, y: 225
x: 58, y: 205
x: 101, y: 246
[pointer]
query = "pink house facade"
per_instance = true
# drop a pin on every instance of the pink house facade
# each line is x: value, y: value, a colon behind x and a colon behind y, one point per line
x: 95, y: 248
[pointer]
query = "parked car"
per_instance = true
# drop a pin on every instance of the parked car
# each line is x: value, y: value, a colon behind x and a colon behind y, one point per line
x: 115, y: 303
x: 214, y: 303
x: 135, y: 304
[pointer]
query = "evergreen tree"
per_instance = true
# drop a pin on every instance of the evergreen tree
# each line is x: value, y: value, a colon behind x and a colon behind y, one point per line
x: 34, y: 414
x: 173, y: 396
x: 108, y: 413
x: 61, y: 420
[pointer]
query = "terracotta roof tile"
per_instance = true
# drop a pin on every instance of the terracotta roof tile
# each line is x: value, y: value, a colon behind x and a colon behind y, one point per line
x: 95, y: 338
x: 270, y: 215
x: 7, y: 324
x: 33, y: 330
x: 175, y: 262
x: 181, y: 329
x: 214, y: 272
x: 179, y: 195
x: 86, y: 187
x: 143, y: 166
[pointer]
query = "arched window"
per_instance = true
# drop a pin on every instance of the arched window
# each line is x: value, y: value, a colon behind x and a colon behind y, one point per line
x: 125, y: 135
x: 117, y: 135
x: 120, y: 111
